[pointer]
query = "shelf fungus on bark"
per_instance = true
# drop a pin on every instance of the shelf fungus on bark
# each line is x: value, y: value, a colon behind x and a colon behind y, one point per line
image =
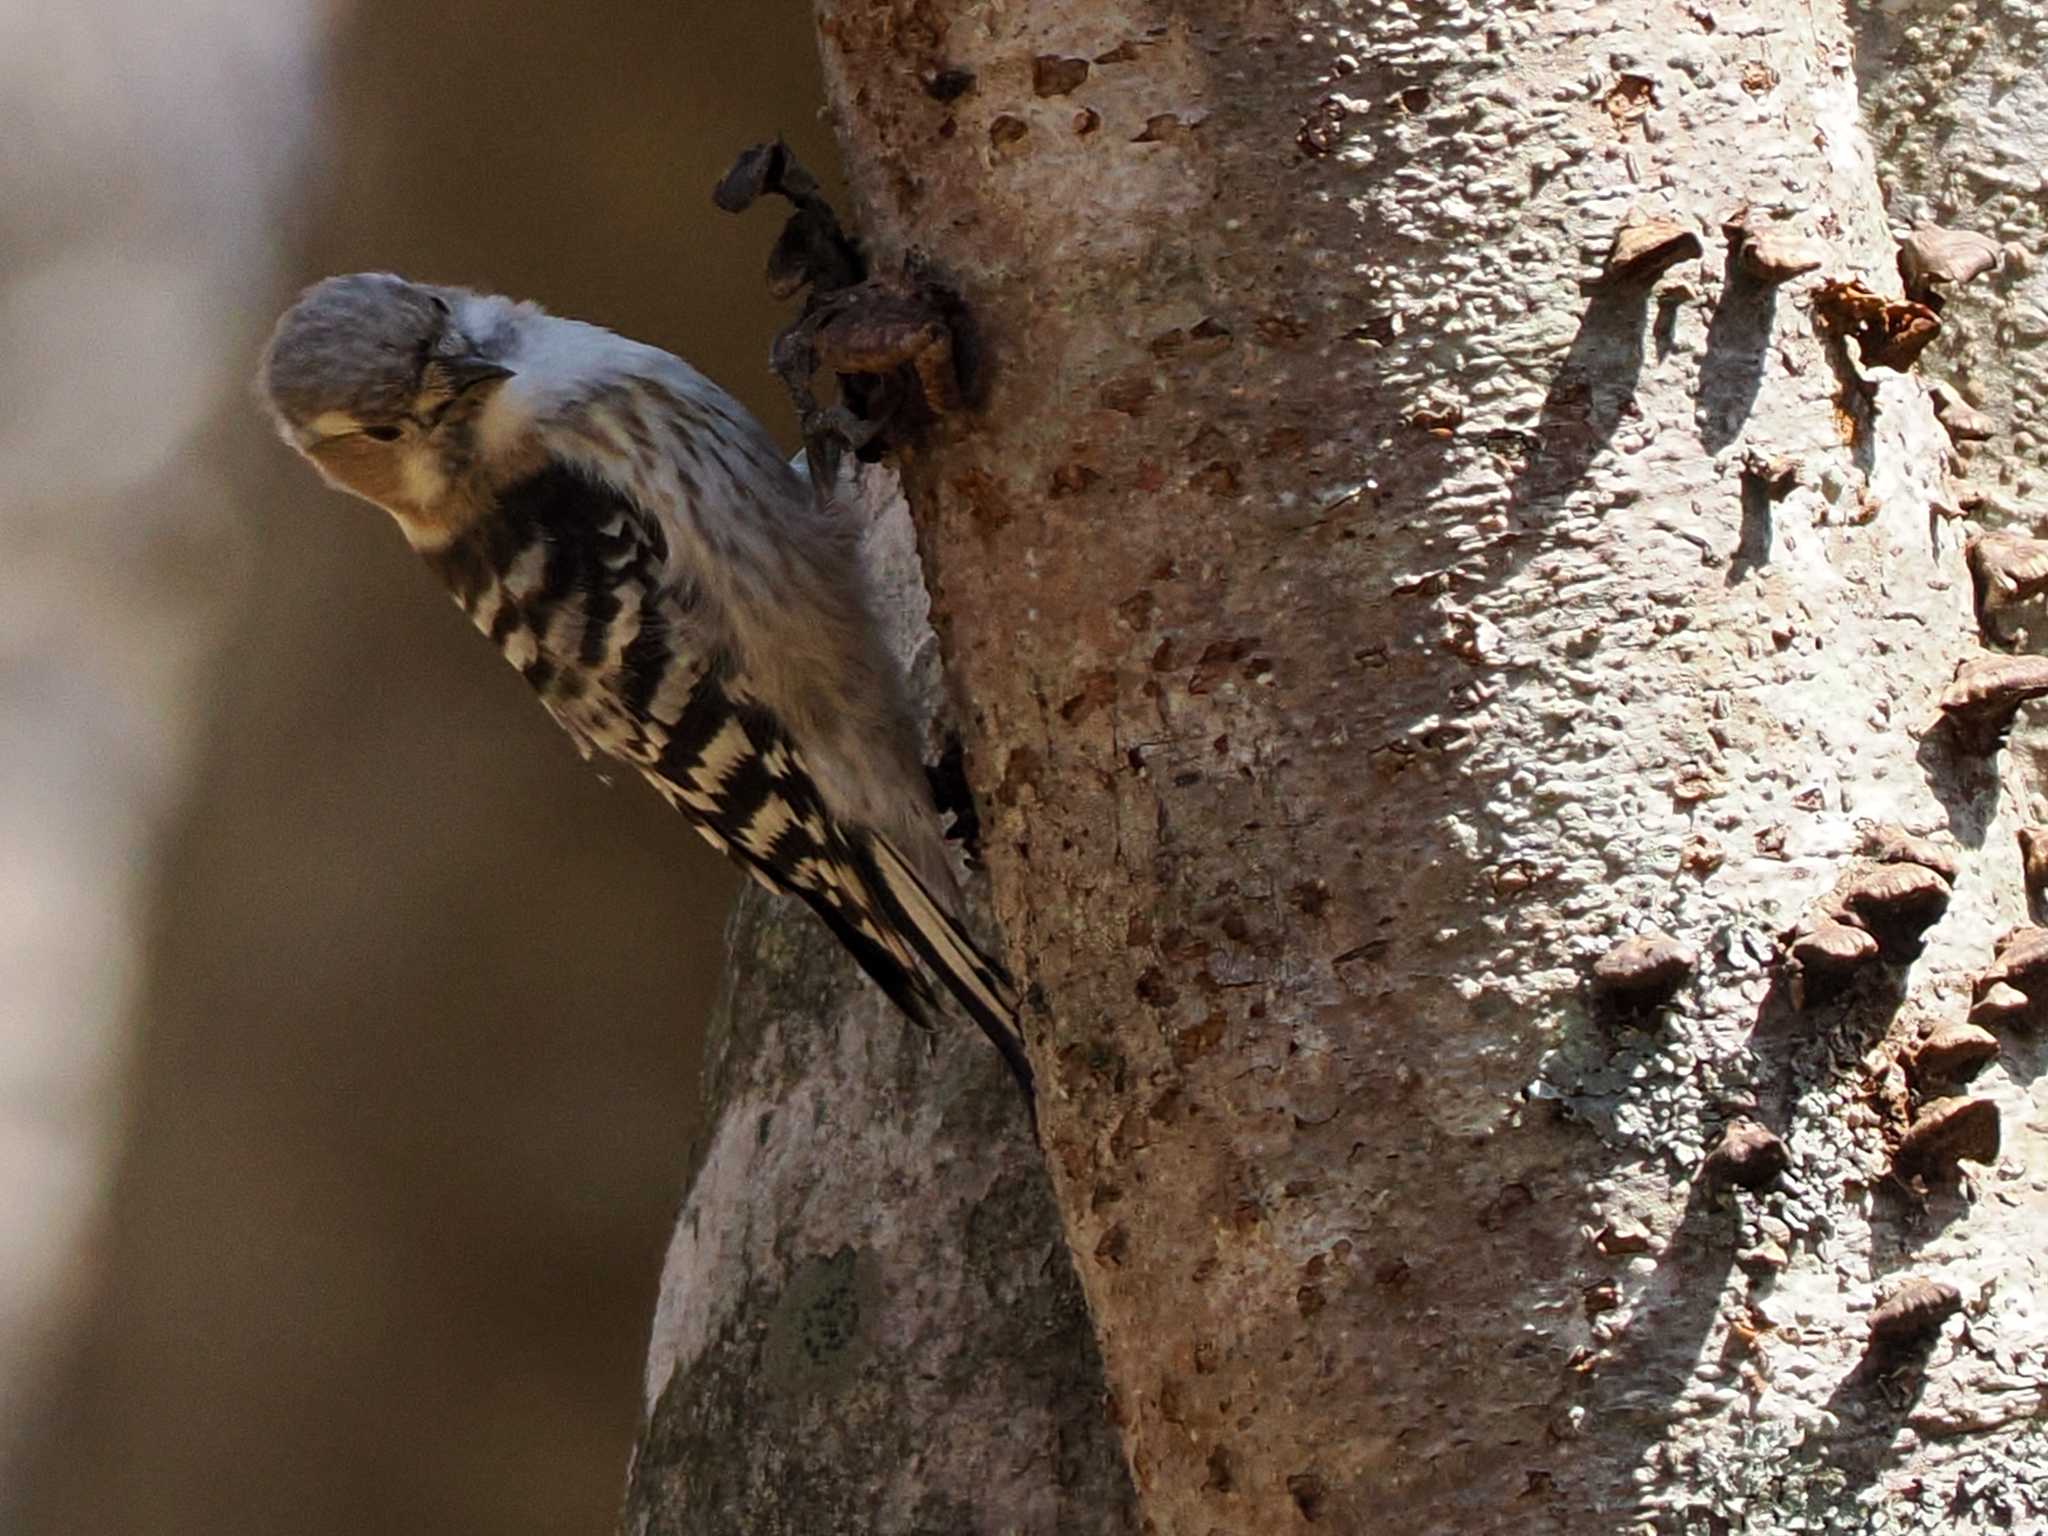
x: 2001, y: 1005
x: 1963, y: 422
x: 2013, y: 989
x: 1890, y: 333
x: 1624, y: 1235
x: 1888, y: 843
x: 1878, y: 909
x: 888, y: 339
x: 1987, y: 692
x: 2005, y: 569
x: 1915, y: 1309
x: 1825, y: 954
x: 1648, y: 245
x: 1644, y: 972
x: 1931, y: 258
x: 1770, y: 256
x: 1748, y: 1156
x: 1946, y: 1132
x: 1952, y: 1053
x: 1895, y: 903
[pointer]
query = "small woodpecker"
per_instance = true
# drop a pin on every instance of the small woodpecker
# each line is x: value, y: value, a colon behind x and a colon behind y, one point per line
x: 632, y: 541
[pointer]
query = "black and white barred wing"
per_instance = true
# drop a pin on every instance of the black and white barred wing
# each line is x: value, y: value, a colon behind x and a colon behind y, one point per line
x: 566, y: 578
x: 570, y: 579
x: 726, y: 763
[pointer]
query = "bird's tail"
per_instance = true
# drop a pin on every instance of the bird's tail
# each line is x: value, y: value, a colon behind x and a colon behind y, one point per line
x: 977, y: 981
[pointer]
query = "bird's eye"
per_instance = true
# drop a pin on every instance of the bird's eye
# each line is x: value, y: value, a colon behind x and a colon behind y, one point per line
x: 382, y: 434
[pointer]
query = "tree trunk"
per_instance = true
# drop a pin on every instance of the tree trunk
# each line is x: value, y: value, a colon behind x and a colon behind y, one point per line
x: 1958, y: 113
x: 1368, y: 611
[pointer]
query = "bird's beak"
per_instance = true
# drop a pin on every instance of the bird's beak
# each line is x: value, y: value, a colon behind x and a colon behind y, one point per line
x: 465, y: 371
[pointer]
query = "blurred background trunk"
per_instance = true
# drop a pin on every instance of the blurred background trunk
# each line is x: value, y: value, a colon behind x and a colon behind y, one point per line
x: 351, y: 1021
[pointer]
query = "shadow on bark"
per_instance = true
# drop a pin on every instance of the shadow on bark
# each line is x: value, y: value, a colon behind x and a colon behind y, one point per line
x: 1855, y: 404
x: 1590, y: 395
x: 1693, y: 1274
x: 1753, y: 547
x: 1738, y: 346
x: 1875, y: 1399
x: 1966, y: 785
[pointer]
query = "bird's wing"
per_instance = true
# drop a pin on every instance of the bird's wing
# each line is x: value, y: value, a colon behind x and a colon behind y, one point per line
x: 572, y: 579
x: 727, y: 765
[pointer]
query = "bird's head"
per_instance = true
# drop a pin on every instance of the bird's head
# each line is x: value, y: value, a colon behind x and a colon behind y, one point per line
x: 373, y: 379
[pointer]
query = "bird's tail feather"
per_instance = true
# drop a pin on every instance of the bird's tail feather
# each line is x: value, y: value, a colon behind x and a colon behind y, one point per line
x: 977, y: 981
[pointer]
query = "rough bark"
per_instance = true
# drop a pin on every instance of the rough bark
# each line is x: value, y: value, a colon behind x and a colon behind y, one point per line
x: 1956, y: 107
x: 1367, y: 618
x: 868, y: 1320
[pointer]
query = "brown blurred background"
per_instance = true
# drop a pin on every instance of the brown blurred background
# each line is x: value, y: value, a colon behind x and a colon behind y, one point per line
x: 348, y: 1023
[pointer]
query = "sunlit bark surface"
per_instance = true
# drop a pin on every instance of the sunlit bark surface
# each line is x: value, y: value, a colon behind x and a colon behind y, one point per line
x: 1370, y: 604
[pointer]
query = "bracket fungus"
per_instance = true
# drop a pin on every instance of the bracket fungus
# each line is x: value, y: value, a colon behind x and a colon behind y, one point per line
x: 2005, y: 568
x: 2014, y: 987
x: 2001, y: 1004
x: 1889, y: 333
x: 1748, y: 1156
x: 1879, y: 908
x: 1987, y: 692
x: 1914, y: 1309
x: 1891, y: 844
x: 1894, y: 902
x: 1643, y: 972
x: 1774, y: 476
x: 1945, y: 1132
x: 2034, y: 860
x: 1952, y: 1053
x: 1770, y: 256
x: 1648, y: 245
x: 1825, y: 954
x: 1932, y: 257
x: 1963, y: 422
